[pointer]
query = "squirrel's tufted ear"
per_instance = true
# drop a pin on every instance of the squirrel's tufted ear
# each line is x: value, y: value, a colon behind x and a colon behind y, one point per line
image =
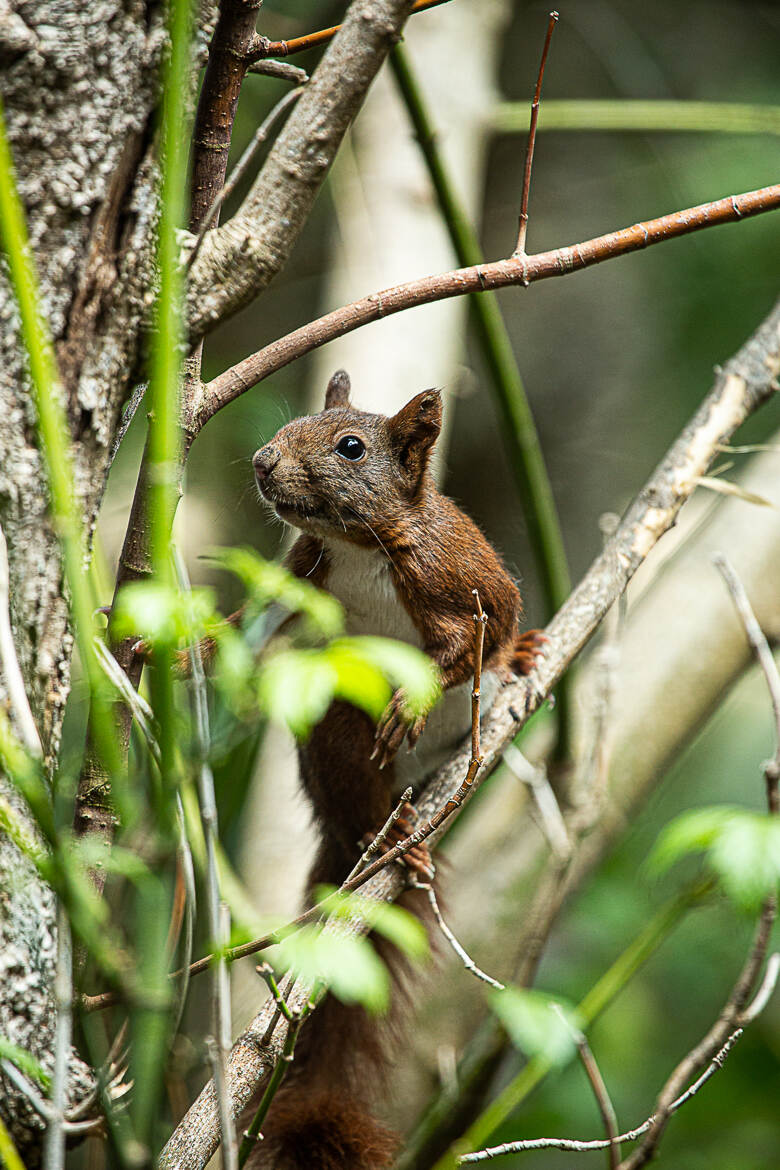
x: 337, y: 393
x: 413, y: 432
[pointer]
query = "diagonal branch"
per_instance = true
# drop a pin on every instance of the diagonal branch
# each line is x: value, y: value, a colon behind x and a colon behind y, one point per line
x: 740, y: 389
x: 520, y: 270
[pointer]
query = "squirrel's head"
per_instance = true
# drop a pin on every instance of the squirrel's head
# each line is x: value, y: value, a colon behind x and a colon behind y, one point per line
x: 346, y: 472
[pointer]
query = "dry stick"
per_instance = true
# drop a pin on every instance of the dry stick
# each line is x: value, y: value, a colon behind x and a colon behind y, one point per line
x: 516, y: 270
x: 263, y: 48
x: 529, y: 152
x: 459, y: 950
x: 378, y: 841
x: 756, y: 637
x: 580, y: 1147
x: 280, y: 69
x: 605, y: 1106
x: 240, y: 169
x: 740, y: 388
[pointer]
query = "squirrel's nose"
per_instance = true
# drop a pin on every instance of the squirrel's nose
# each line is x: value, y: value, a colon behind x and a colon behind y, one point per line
x: 264, y: 461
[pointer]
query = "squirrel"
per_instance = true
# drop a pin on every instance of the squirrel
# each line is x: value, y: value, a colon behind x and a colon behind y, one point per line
x: 403, y: 560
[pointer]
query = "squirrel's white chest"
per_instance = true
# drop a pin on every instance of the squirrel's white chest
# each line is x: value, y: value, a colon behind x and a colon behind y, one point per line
x: 361, y: 580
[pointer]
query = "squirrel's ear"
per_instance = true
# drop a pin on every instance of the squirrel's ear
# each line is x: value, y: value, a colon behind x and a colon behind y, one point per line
x: 414, y: 430
x: 337, y: 393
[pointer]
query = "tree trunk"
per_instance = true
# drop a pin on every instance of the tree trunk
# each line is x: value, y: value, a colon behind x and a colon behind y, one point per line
x: 79, y: 87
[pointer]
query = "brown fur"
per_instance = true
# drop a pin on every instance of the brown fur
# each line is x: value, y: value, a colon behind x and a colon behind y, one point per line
x: 386, y: 499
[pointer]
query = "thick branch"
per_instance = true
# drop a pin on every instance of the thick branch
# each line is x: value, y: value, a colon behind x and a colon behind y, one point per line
x: 746, y: 383
x: 239, y: 259
x: 523, y: 270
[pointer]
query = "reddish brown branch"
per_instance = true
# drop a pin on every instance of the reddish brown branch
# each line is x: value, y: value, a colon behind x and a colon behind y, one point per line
x: 529, y: 152
x: 263, y: 48
x: 522, y: 270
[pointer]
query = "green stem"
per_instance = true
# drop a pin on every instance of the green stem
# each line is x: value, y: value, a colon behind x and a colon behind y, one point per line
x: 597, y: 1000
x: 663, y: 116
x: 252, y: 1134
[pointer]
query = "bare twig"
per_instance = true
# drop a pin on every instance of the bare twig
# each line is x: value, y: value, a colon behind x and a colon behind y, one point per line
x: 459, y: 950
x: 264, y: 48
x: 280, y: 69
x: 529, y: 153
x: 374, y: 846
x: 553, y: 824
x: 758, y: 641
x: 9, y: 663
x: 582, y: 1147
x: 522, y: 270
x: 241, y: 168
x: 603, y: 1100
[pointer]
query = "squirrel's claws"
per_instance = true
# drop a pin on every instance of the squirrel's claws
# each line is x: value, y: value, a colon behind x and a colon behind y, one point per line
x: 393, y: 727
x: 529, y: 646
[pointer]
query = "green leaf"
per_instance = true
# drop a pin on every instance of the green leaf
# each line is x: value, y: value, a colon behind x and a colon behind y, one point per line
x: 404, y: 666
x: 268, y: 581
x: 296, y: 687
x: 746, y: 857
x: 24, y: 1061
x: 164, y: 616
x: 741, y: 848
x: 692, y: 832
x: 348, y: 965
x: 396, y: 924
x: 538, y: 1024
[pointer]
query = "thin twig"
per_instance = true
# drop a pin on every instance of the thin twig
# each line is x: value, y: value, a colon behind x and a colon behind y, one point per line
x: 517, y: 270
x: 240, y: 169
x: 553, y: 823
x: 281, y: 70
x: 374, y: 846
x: 582, y: 1147
x: 529, y: 153
x: 9, y: 663
x: 603, y: 1100
x: 757, y: 640
x: 264, y: 48
x: 459, y: 950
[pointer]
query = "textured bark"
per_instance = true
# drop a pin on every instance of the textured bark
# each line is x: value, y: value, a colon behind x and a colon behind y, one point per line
x: 78, y: 84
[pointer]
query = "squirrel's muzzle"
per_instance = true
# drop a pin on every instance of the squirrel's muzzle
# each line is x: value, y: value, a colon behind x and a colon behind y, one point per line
x: 264, y: 461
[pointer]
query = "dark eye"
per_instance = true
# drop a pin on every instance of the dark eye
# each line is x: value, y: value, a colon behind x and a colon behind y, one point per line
x: 350, y: 447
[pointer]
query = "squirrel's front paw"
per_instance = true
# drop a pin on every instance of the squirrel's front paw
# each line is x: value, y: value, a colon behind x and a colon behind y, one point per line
x: 396, y: 723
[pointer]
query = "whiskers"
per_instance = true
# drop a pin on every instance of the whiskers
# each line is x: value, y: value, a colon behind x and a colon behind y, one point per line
x: 366, y: 524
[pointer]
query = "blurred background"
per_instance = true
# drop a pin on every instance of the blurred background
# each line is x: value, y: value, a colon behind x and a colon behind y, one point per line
x: 614, y: 360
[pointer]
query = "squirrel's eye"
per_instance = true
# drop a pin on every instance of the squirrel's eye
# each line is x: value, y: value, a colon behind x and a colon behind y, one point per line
x: 350, y: 447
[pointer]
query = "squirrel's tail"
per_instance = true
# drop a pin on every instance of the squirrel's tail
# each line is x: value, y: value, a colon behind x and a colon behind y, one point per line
x: 321, y: 1117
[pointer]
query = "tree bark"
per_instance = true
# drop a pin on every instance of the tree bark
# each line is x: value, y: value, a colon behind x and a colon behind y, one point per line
x: 78, y: 86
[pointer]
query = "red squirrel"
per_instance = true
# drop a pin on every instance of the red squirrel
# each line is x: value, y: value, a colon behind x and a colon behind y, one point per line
x: 403, y: 560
